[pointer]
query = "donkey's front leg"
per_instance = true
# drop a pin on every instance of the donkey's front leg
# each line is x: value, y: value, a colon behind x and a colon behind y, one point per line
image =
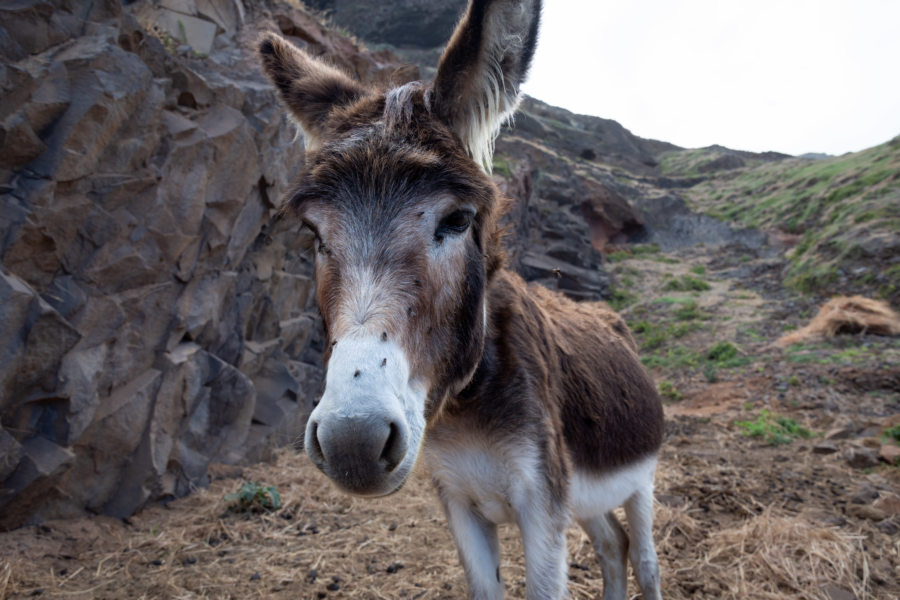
x: 544, y: 539
x: 479, y: 550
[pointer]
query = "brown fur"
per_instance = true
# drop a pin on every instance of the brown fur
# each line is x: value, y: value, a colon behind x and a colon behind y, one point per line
x: 575, y: 369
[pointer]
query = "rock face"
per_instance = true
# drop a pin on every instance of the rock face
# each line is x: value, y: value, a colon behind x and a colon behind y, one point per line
x: 155, y: 316
x: 405, y: 23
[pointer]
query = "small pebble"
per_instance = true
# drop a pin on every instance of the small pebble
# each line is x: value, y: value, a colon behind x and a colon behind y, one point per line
x: 394, y: 567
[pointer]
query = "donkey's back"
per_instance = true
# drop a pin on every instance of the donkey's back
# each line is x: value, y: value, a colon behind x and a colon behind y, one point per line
x: 610, y: 411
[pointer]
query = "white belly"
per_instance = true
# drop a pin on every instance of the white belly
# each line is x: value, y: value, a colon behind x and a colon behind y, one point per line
x: 494, y: 479
x: 594, y: 495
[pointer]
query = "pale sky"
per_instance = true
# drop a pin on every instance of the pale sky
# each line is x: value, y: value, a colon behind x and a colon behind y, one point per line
x: 793, y: 76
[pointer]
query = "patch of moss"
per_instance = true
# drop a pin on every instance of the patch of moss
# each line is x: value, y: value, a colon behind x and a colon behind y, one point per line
x: 689, y: 311
x: 725, y: 354
x: 686, y: 283
x: 669, y: 391
x: 774, y: 429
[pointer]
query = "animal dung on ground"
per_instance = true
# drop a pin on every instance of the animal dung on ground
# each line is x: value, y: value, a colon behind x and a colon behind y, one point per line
x: 847, y: 315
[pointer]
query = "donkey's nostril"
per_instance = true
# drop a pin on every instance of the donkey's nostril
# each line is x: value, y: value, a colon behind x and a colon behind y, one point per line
x: 394, y: 448
x: 314, y: 449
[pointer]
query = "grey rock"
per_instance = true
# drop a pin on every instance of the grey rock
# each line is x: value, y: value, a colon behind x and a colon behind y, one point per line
x: 834, y: 592
x: 227, y: 14
x: 10, y: 454
x: 861, y: 458
x: 33, y: 341
x: 577, y: 282
x: 843, y: 432
x: 826, y: 447
x: 42, y: 462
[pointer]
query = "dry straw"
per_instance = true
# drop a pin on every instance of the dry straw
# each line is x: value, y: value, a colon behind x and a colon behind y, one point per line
x: 323, y: 544
x: 847, y: 315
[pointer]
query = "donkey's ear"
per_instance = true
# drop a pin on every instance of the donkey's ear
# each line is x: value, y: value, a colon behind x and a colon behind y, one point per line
x: 309, y: 88
x: 476, y: 88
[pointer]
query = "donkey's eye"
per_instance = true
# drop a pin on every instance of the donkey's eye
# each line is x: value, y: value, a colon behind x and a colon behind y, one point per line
x: 453, y: 224
x: 319, y: 245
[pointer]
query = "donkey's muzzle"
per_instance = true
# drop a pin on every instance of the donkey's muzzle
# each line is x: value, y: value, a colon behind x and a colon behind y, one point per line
x: 366, y: 431
x: 358, y: 452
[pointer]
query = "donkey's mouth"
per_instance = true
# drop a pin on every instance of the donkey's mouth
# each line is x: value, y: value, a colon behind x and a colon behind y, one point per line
x: 378, y: 489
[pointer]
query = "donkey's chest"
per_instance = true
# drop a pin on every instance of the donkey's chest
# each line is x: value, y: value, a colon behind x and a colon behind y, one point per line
x: 472, y: 471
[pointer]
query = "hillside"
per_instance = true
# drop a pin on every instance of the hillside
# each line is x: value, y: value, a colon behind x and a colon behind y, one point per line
x: 839, y: 216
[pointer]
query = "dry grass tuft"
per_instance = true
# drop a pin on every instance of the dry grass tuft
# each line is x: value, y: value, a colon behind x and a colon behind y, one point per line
x: 5, y: 573
x: 847, y: 315
x: 776, y: 556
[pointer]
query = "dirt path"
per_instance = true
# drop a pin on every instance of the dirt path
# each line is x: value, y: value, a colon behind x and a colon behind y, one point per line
x: 736, y: 517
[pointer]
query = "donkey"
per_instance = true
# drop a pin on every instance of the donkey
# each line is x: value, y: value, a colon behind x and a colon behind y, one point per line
x: 528, y: 407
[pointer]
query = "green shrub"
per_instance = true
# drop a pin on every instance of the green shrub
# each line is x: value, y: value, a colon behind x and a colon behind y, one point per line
x: 687, y: 283
x: 619, y: 299
x: 501, y: 166
x: 722, y: 352
x: 688, y: 312
x: 774, y: 429
x: 254, y: 497
x: 668, y: 390
x: 893, y: 433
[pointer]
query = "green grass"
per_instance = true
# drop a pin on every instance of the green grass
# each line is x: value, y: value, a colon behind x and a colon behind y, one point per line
x: 774, y: 429
x: 686, y: 283
x: 673, y: 300
x: 636, y: 251
x: 620, y: 299
x: 501, y: 166
x: 654, y: 335
x: 669, y: 391
x: 893, y: 433
x: 665, y: 260
x: 826, y: 353
x: 254, y: 497
x: 673, y: 358
x: 725, y: 354
x: 689, y: 311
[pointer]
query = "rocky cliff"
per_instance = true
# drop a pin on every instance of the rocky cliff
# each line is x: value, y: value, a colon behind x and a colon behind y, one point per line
x: 152, y: 318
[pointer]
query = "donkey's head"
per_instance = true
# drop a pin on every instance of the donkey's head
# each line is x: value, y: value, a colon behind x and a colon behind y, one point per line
x: 405, y: 221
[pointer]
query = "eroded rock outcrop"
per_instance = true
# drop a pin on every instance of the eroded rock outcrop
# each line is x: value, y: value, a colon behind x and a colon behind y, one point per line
x: 154, y: 317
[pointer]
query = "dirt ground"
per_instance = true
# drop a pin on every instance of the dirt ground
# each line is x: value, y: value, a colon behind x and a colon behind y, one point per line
x: 817, y: 516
